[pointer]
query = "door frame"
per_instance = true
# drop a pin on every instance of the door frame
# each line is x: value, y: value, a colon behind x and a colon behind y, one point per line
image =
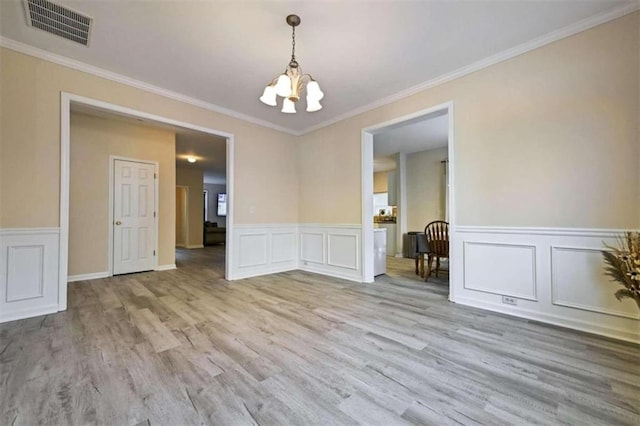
x: 66, y: 99
x: 156, y: 185
x: 186, y: 216
x: 367, y: 188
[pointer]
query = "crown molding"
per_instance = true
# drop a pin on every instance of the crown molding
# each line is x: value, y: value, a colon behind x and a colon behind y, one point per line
x: 549, y: 38
x: 119, y: 78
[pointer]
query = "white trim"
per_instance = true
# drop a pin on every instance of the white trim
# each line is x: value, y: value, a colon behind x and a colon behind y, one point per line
x: 325, y: 263
x: 228, y: 242
x: 554, y: 286
x: 544, y: 40
x: 29, y: 257
x: 533, y: 297
x: 167, y: 267
x: 599, y: 314
x: 266, y: 225
x: 28, y: 231
x: 65, y: 177
x: 273, y: 249
x: 131, y: 82
x: 505, y: 55
x: 331, y: 225
x: 65, y: 141
x: 567, y: 232
x: 194, y: 246
x: 156, y: 219
x: 561, y: 321
x: 366, y: 165
x: 314, y: 269
x: 402, y: 203
x: 367, y: 186
x: 87, y: 277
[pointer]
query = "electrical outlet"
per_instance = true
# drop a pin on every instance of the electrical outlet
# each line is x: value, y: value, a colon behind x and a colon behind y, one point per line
x: 304, y: 262
x: 509, y: 300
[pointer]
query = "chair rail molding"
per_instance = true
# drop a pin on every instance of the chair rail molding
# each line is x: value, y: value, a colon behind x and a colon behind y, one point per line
x: 553, y: 275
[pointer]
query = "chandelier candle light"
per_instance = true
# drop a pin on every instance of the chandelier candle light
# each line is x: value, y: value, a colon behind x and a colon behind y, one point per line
x: 289, y: 84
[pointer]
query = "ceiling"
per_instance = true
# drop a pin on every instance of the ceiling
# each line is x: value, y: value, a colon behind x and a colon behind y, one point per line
x: 430, y: 133
x: 209, y: 150
x: 362, y: 53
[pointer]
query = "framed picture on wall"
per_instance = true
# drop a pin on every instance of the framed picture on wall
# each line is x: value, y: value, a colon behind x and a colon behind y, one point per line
x: 222, y: 204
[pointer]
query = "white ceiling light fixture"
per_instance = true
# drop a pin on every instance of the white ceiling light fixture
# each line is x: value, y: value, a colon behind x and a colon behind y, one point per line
x: 289, y: 84
x: 191, y: 159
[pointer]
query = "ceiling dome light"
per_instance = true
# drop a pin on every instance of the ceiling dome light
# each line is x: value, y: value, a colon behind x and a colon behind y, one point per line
x: 191, y: 159
x: 290, y: 84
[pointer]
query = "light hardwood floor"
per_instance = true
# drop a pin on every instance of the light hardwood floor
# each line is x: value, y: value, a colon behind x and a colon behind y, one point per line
x: 186, y: 347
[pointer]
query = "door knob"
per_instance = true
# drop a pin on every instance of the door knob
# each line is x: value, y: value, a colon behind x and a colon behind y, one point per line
x: 118, y: 222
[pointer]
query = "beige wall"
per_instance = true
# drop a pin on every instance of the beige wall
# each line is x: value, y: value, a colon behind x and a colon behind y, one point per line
x: 194, y: 180
x: 30, y: 144
x: 548, y: 138
x: 181, y: 217
x: 425, y: 188
x: 380, y: 182
x: 93, y: 140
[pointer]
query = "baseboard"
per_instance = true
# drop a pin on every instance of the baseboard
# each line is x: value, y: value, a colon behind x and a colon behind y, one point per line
x: 86, y: 277
x: 196, y: 246
x: 28, y: 313
x: 323, y: 270
x: 167, y: 267
x: 588, y: 327
x: 240, y: 275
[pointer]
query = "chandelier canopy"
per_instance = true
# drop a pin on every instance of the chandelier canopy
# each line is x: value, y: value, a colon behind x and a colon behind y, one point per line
x: 290, y: 84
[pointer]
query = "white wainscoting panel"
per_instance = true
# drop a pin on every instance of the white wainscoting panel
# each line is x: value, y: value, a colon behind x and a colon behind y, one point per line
x: 253, y: 249
x: 505, y: 269
x: 283, y: 247
x: 263, y: 249
x: 28, y: 272
x: 332, y: 250
x: 343, y: 250
x: 312, y: 247
x: 577, y: 282
x: 555, y: 275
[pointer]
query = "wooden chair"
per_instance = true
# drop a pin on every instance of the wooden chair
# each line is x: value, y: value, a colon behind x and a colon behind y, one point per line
x: 437, y: 236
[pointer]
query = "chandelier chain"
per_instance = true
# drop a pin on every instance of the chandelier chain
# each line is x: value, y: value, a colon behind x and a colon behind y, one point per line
x: 293, y: 43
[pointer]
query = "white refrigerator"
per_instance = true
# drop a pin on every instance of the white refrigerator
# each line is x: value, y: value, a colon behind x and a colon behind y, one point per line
x: 379, y: 251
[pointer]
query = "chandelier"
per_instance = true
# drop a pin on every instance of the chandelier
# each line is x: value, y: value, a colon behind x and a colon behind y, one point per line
x: 289, y: 84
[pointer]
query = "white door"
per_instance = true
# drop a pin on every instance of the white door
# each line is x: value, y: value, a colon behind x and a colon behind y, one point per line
x: 133, y: 217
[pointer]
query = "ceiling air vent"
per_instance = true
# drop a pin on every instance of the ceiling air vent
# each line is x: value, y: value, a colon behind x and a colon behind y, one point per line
x: 58, y: 20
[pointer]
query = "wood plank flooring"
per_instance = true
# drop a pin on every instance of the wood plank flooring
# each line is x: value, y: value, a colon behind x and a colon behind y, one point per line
x: 186, y: 347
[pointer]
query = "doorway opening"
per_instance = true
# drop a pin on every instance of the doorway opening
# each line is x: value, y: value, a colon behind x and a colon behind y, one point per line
x: 201, y: 167
x: 399, y: 146
x: 73, y: 104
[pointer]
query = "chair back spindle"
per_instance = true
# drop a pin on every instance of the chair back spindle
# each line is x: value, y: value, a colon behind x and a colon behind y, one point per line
x: 437, y: 236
